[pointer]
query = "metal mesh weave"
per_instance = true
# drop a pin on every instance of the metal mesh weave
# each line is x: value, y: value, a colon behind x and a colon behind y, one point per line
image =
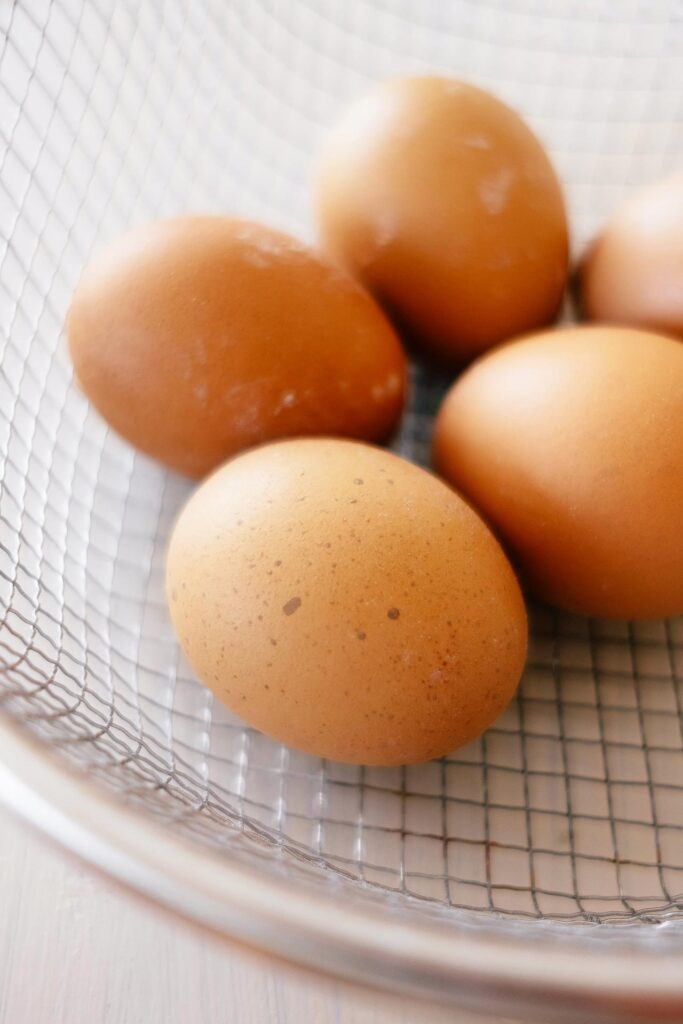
x: 571, y: 806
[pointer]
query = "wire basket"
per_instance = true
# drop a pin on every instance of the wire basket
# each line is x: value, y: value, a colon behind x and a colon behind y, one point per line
x: 502, y: 875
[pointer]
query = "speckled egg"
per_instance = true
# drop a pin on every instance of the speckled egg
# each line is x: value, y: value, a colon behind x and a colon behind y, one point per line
x: 197, y: 337
x: 346, y: 602
x: 444, y: 203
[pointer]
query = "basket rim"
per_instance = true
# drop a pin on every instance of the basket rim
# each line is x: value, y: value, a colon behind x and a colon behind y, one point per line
x: 488, y: 968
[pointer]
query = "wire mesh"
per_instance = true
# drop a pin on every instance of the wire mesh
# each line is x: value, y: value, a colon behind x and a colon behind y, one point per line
x: 571, y: 806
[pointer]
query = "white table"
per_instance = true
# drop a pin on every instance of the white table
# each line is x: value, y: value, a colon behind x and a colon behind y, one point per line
x: 76, y: 949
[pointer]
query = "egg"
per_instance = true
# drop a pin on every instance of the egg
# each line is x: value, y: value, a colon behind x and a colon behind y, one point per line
x: 345, y: 602
x: 633, y: 273
x: 570, y: 444
x: 445, y: 204
x: 197, y: 337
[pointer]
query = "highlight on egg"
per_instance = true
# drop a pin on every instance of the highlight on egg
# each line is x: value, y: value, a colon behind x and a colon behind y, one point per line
x: 570, y: 444
x: 633, y: 271
x: 444, y: 203
x: 197, y: 337
x: 346, y: 602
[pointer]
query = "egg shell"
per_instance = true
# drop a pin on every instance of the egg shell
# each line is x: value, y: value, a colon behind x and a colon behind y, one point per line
x: 633, y: 273
x: 197, y: 337
x: 445, y: 204
x: 346, y: 602
x: 570, y: 443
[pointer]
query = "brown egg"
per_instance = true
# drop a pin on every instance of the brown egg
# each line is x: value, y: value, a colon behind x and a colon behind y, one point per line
x: 346, y: 602
x: 443, y: 202
x: 571, y: 444
x: 633, y: 273
x: 200, y: 336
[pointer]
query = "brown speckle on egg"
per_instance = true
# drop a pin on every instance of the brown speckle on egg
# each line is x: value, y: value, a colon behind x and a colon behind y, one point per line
x: 333, y: 683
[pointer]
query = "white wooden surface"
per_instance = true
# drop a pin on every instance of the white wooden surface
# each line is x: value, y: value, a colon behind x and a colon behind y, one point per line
x: 75, y: 949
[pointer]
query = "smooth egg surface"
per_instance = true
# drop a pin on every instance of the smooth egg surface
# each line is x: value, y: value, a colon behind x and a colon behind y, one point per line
x: 346, y: 602
x: 633, y: 273
x: 570, y: 444
x: 444, y: 203
x: 197, y: 337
